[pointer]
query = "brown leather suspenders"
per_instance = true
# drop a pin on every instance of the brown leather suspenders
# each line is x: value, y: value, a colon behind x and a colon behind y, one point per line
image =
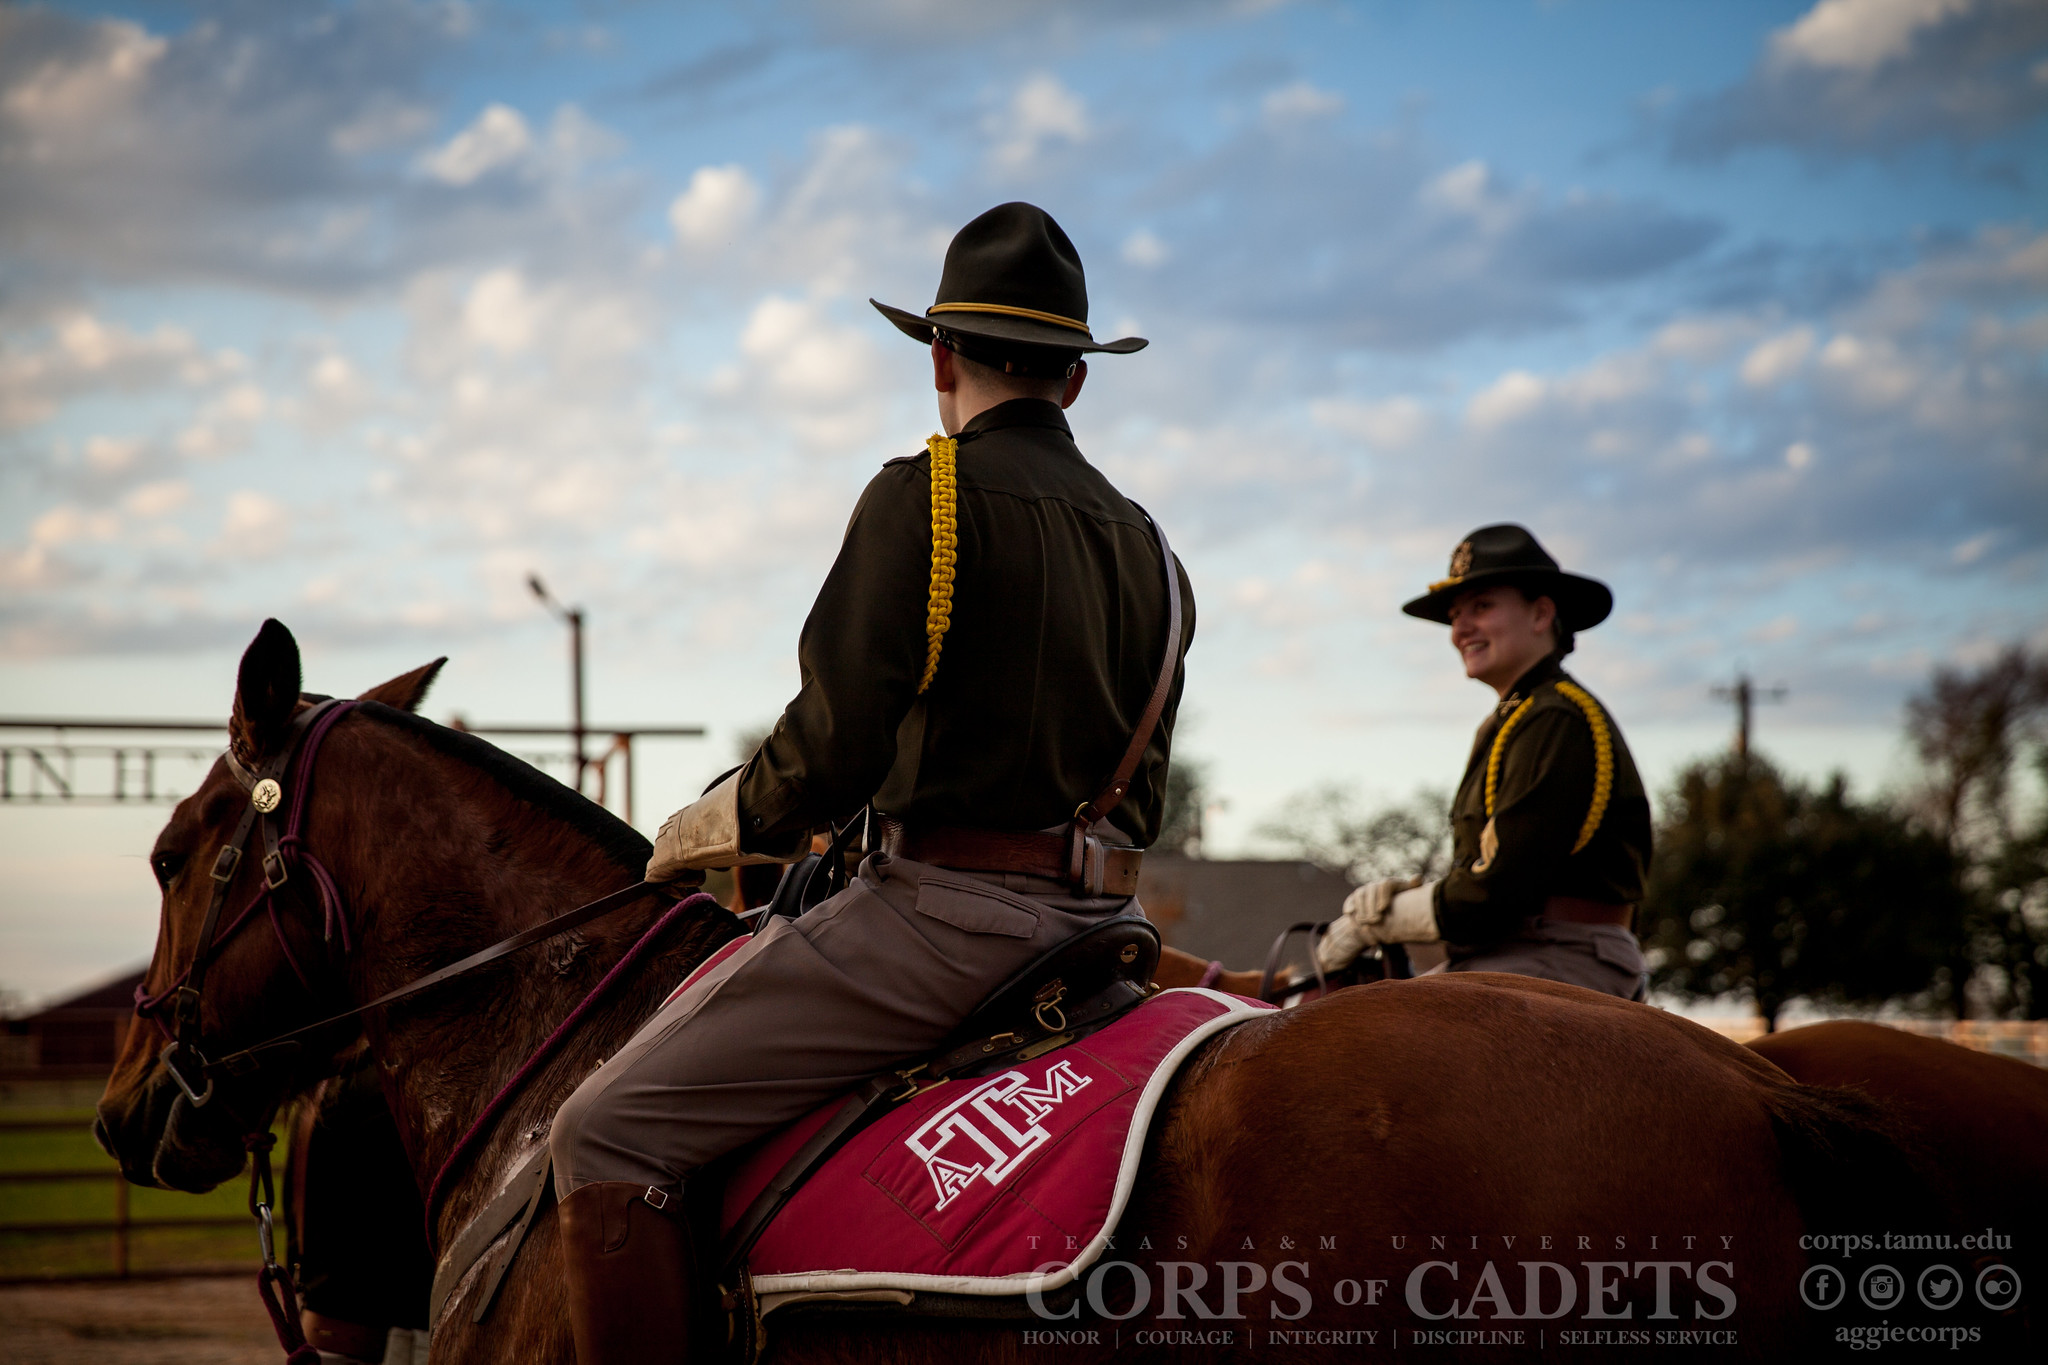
x: 1103, y: 802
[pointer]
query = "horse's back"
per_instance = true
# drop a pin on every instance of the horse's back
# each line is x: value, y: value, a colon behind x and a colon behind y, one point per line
x: 1484, y: 1117
x: 1982, y: 1119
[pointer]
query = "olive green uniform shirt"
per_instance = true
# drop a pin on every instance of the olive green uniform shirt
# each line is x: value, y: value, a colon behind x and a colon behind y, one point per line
x: 1541, y: 798
x: 1058, y: 631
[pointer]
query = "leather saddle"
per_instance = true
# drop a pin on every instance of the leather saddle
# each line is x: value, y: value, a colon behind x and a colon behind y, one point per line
x: 1070, y: 991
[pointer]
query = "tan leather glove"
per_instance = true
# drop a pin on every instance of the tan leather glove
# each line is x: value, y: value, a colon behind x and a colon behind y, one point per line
x: 706, y: 834
x: 1391, y: 910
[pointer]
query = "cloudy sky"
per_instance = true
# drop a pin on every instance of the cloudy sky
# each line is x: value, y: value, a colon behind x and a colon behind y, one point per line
x: 353, y: 314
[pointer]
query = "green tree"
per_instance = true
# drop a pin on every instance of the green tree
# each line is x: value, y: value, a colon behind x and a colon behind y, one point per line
x: 1329, y: 826
x: 1766, y: 887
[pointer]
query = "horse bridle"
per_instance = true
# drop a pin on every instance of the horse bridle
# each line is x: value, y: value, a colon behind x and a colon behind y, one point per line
x: 279, y: 822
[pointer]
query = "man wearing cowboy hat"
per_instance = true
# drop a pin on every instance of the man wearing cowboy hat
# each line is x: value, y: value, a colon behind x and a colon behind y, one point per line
x: 993, y: 666
x: 1550, y: 831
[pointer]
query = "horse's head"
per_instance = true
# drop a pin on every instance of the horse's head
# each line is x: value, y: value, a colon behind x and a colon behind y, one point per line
x: 269, y: 967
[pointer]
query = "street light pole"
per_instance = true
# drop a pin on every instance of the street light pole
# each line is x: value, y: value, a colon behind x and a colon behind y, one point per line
x: 574, y: 617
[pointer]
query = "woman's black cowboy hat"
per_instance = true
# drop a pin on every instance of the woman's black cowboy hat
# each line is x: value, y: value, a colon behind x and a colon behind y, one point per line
x: 1011, y: 290
x: 1509, y: 556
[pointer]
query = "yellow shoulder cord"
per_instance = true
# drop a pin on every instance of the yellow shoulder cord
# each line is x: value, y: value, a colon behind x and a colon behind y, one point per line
x: 1500, y: 744
x: 1603, y: 760
x: 945, y: 551
x: 1603, y: 757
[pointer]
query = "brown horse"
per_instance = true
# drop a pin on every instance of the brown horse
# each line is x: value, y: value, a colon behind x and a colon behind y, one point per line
x: 1483, y: 1157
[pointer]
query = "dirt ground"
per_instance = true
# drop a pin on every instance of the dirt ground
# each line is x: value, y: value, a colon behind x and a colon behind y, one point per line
x: 217, y: 1321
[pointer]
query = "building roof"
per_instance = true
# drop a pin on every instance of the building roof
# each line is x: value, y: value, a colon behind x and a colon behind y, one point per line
x: 117, y: 994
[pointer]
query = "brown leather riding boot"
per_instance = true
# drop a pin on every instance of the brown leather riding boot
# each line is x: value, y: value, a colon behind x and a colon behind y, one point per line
x: 629, y: 1274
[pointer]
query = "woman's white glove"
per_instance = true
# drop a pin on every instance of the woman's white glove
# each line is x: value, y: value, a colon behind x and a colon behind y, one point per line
x: 1391, y: 910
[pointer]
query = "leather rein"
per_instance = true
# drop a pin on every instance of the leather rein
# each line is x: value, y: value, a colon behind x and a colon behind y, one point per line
x: 280, y: 822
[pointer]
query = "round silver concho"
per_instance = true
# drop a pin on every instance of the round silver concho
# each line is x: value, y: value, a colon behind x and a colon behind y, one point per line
x: 266, y: 795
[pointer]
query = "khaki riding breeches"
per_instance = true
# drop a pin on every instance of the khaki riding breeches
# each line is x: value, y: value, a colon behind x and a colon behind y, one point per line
x: 809, y: 1009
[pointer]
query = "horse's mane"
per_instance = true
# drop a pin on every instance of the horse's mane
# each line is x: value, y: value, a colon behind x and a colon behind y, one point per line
x: 618, y: 840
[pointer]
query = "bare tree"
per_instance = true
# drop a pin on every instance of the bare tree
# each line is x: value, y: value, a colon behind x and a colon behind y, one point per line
x: 1974, y: 732
x: 1329, y: 826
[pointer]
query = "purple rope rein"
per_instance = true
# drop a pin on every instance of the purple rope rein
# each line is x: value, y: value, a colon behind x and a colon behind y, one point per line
x: 497, y: 1104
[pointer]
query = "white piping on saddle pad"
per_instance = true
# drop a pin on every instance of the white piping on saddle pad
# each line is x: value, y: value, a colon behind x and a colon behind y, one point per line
x: 1038, y: 1281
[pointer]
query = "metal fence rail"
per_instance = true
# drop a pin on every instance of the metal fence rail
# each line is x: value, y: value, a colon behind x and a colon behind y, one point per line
x: 56, y: 771
x: 123, y: 1225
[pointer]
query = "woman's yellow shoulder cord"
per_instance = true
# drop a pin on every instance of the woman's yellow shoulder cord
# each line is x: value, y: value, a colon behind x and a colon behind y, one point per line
x: 1500, y: 744
x: 1603, y: 760
x: 945, y: 551
x: 1603, y: 757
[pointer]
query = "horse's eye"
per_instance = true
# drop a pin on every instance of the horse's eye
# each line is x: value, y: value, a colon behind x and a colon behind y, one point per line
x: 165, y: 863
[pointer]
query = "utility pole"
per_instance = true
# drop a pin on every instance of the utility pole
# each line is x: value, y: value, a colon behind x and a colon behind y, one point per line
x: 1745, y: 694
x: 574, y: 617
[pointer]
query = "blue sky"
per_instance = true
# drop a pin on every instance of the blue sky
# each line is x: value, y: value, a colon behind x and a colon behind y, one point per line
x: 353, y: 314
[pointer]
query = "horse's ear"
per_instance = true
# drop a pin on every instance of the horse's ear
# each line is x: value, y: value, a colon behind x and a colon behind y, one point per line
x: 407, y: 690
x: 266, y: 693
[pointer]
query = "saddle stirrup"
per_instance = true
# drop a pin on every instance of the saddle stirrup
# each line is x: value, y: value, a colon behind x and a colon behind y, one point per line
x: 627, y: 1255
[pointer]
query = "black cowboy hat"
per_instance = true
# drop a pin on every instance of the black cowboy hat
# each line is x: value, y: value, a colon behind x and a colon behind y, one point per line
x: 1012, y: 287
x: 1507, y: 555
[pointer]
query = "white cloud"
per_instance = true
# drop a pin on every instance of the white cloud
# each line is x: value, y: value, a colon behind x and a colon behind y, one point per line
x: 66, y: 100
x: 500, y: 312
x: 66, y: 524
x: 224, y: 423
x: 1869, y: 76
x: 805, y: 359
x: 255, y: 526
x: 1145, y: 250
x: 1970, y: 551
x: 498, y: 137
x: 1871, y: 370
x: 1041, y: 112
x: 1462, y: 187
x: 1777, y: 359
x: 1510, y: 398
x: 84, y: 354
x: 1860, y: 35
x: 719, y: 202
x: 158, y: 499
x: 1798, y: 455
x: 1390, y: 424
x: 112, y: 454
x: 1298, y: 101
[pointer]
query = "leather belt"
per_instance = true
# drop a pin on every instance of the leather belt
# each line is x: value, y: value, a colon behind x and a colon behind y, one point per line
x: 1106, y: 869
x: 1573, y: 910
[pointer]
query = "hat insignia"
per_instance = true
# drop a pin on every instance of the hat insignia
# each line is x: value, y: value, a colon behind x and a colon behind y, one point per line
x: 1461, y: 559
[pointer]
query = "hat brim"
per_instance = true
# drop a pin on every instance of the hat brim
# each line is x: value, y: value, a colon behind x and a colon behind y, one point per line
x: 996, y: 327
x: 1582, y: 603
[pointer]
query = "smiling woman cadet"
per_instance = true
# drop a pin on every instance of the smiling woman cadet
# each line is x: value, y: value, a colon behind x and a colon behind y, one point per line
x: 1551, y: 829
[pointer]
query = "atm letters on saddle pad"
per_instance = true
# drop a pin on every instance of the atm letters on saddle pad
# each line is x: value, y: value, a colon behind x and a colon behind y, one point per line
x: 992, y: 1185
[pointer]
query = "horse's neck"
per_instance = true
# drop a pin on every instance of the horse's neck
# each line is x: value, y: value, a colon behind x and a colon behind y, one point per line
x: 485, y: 866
